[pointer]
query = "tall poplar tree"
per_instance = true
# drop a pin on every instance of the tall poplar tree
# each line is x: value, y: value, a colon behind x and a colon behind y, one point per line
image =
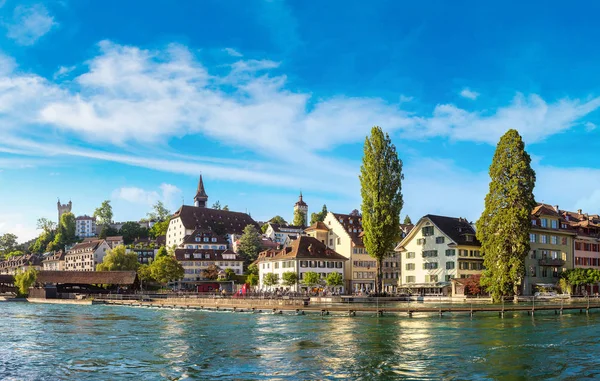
x: 381, y: 191
x: 503, y: 228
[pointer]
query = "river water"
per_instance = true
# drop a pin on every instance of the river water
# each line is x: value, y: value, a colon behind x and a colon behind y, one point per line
x: 67, y: 342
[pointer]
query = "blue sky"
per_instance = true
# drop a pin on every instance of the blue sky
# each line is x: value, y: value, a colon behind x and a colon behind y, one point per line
x: 130, y: 101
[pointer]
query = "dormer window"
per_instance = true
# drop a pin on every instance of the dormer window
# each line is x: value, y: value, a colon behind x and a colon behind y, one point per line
x: 350, y: 220
x: 198, y: 239
x: 214, y: 239
x: 544, y: 223
x: 205, y: 239
x: 469, y: 238
x: 206, y: 256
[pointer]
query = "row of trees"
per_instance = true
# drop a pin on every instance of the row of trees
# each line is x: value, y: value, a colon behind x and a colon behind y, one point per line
x: 578, y: 278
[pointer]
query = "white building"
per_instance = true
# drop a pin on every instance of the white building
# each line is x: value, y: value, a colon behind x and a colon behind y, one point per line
x: 85, y: 226
x: 437, y: 250
x: 85, y: 256
x: 189, y: 218
x: 54, y: 261
x: 343, y: 233
x: 280, y: 233
x: 307, y: 254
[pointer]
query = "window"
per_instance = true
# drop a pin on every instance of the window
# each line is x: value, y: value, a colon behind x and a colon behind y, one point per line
x: 330, y: 241
x: 339, y: 241
x: 532, y: 238
x: 410, y: 279
x: 410, y: 266
x: 205, y: 239
x: 198, y: 239
x: 214, y: 239
x: 431, y: 278
x: 410, y: 255
x: 449, y: 265
x: 533, y: 222
x: 450, y: 252
x: 563, y: 241
x: 427, y: 231
x: 544, y: 272
x: 543, y: 238
x: 554, y: 240
x: 430, y: 253
x: 544, y: 222
x: 430, y: 266
x: 439, y: 239
x: 448, y: 278
x: 469, y: 238
x: 421, y: 241
x: 554, y: 224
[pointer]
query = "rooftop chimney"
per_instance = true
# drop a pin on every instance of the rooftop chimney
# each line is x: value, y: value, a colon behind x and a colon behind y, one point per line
x: 556, y: 208
x: 579, y: 211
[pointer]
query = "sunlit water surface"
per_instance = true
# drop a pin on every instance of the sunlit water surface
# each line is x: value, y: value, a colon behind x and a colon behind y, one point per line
x: 56, y: 342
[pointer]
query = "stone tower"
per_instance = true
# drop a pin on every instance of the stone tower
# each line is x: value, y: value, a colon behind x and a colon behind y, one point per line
x: 303, y: 207
x: 63, y: 208
x: 201, y: 197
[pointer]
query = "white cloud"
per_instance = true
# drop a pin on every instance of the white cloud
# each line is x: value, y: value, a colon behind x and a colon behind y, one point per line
x: 589, y: 126
x: 469, y: 94
x: 29, y: 24
x: 63, y: 71
x: 16, y: 223
x: 147, y: 197
x: 232, y: 52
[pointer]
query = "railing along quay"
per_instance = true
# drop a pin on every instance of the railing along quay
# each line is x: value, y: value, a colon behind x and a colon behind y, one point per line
x: 270, y: 306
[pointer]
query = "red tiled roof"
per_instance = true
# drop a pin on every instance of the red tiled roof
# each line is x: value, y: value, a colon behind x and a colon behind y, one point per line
x: 193, y: 217
x: 350, y: 224
x: 303, y: 248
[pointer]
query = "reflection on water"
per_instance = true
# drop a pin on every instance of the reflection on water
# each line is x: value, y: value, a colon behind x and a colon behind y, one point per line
x: 53, y: 342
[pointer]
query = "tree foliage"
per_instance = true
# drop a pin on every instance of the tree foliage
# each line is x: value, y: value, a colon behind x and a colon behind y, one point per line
x: 271, y: 279
x: 226, y: 208
x: 46, y: 225
x: 278, y: 220
x: 108, y: 231
x: 15, y: 253
x: 252, y: 269
x: 320, y: 216
x: 579, y: 277
x: 217, y: 205
x: 229, y: 274
x: 311, y: 279
x: 162, y: 252
x: 211, y: 272
x: 131, y: 231
x: 166, y: 269
x: 159, y: 229
x: 503, y: 228
x: 104, y: 213
x: 381, y: 191
x: 299, y: 218
x: 118, y: 259
x: 407, y: 220
x: 159, y: 212
x: 252, y: 280
x: 145, y: 273
x: 24, y: 280
x: 289, y: 278
x: 65, y: 233
x: 8, y: 243
x: 355, y: 213
x: 250, y: 243
x: 334, y: 279
x: 473, y: 285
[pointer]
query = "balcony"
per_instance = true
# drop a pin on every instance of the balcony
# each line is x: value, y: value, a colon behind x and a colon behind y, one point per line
x: 551, y: 262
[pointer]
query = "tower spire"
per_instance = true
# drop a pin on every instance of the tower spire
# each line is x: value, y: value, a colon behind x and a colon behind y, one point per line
x: 201, y: 197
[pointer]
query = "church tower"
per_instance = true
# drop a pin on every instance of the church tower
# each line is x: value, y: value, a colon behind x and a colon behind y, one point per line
x: 201, y: 197
x: 63, y: 208
x: 303, y: 207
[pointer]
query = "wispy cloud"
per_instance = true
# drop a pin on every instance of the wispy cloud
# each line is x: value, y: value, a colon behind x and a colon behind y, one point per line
x: 469, y: 94
x: 63, y: 71
x: 29, y: 24
x: 232, y: 52
x: 137, y: 195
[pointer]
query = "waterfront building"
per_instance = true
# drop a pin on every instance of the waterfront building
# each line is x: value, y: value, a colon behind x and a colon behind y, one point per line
x: 86, y: 255
x: 280, y: 233
x: 85, y: 226
x: 145, y: 249
x: 552, y: 240
x: 190, y: 218
x: 23, y: 262
x: 587, y: 241
x: 302, y: 207
x: 54, y: 261
x: 437, y: 250
x: 306, y: 254
x: 343, y: 234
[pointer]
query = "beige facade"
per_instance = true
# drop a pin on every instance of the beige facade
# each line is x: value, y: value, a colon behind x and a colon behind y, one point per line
x: 86, y: 256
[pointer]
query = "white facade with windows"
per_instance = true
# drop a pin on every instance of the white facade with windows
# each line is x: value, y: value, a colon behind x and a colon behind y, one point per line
x: 86, y: 256
x: 85, y: 226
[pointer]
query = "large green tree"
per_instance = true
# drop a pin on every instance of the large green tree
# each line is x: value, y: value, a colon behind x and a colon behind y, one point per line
x: 65, y: 233
x: 166, y: 269
x: 503, y: 228
x: 381, y: 191
x: 334, y: 279
x: 118, y: 259
x: 289, y: 278
x: 159, y: 229
x: 299, y: 218
x: 250, y: 244
x: 24, y: 280
x: 46, y: 225
x: 320, y: 216
x: 131, y: 230
x: 159, y: 212
x: 271, y: 279
x: 104, y: 213
x: 8, y: 243
x: 311, y: 278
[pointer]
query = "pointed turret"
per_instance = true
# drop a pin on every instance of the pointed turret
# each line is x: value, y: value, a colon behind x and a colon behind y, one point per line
x: 201, y: 197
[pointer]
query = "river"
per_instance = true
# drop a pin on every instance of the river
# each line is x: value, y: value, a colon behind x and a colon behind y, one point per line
x: 71, y: 342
